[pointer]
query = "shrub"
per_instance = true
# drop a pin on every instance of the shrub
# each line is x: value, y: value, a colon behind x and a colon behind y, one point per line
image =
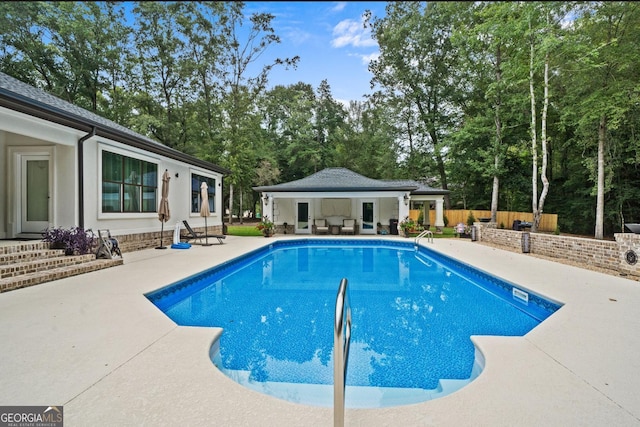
x: 471, y: 219
x: 74, y: 240
x: 407, y: 224
x: 266, y: 226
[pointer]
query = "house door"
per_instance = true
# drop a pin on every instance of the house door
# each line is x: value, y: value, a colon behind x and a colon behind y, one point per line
x: 368, y: 217
x: 35, y: 190
x: 302, y: 217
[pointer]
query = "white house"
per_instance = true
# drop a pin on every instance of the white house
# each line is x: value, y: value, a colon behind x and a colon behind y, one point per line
x: 335, y: 194
x: 64, y: 166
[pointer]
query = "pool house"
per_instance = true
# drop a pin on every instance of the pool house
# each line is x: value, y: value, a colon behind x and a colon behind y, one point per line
x: 338, y: 196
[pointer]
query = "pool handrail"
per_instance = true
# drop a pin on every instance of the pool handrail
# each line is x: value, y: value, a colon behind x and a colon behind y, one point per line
x: 427, y: 233
x: 341, y: 343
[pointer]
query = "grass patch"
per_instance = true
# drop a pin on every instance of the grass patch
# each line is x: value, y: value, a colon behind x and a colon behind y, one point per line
x: 243, y: 230
x: 447, y: 232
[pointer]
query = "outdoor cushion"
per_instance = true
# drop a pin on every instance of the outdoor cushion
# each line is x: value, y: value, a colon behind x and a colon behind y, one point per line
x: 321, y: 226
x: 348, y: 226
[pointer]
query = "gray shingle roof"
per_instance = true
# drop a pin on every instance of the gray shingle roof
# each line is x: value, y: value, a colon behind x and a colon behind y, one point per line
x: 27, y: 99
x: 422, y: 188
x: 338, y: 179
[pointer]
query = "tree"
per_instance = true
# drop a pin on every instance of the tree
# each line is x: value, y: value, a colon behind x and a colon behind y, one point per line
x: 543, y: 23
x: 288, y: 117
x: 418, y: 63
x: 164, y: 71
x: 604, y: 100
x: 243, y: 91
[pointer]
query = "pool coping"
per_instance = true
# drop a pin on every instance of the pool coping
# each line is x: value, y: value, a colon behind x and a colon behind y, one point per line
x: 95, y: 345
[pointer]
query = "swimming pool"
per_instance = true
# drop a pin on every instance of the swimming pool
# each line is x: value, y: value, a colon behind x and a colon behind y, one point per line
x: 413, y: 310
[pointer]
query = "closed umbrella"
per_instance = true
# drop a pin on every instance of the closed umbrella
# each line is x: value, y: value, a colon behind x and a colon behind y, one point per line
x: 204, y: 209
x: 163, y: 210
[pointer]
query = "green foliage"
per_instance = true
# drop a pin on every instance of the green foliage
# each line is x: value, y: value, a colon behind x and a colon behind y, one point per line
x: 451, y: 106
x: 243, y: 230
x: 471, y: 219
x: 266, y: 226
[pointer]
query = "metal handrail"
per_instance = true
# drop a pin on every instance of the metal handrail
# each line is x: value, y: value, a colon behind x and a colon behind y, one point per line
x: 428, y: 233
x: 341, y: 343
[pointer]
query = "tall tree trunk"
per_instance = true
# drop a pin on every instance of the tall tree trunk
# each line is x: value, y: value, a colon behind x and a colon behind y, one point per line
x: 230, y: 203
x: 240, y: 213
x: 443, y: 177
x: 537, y: 215
x: 498, y: 142
x: 602, y: 134
x: 534, y: 135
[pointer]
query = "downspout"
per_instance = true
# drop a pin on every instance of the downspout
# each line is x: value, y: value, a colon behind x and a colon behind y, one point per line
x: 81, y: 175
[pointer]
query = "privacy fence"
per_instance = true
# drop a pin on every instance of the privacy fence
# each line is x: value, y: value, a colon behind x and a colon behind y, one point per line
x: 504, y: 219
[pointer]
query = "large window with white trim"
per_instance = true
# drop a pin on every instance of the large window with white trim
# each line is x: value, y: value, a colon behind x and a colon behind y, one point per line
x: 196, y: 194
x: 128, y: 184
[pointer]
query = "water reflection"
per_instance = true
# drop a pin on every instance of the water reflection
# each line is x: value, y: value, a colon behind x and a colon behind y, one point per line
x: 412, y: 318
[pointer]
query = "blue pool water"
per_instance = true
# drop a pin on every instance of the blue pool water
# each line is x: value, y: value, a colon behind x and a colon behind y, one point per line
x: 413, y: 312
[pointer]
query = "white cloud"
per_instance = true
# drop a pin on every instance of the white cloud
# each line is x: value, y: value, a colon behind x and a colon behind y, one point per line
x: 339, y: 7
x: 350, y: 32
x: 366, y: 59
x: 297, y: 36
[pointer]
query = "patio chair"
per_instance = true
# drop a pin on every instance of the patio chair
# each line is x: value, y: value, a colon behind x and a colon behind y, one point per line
x: 196, y: 235
x: 321, y: 226
x: 348, y: 226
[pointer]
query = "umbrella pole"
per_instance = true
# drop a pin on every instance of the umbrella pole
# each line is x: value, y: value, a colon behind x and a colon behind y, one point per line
x: 206, y: 237
x: 161, y: 233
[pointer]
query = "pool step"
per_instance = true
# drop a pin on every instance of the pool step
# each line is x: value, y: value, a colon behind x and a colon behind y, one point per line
x: 28, y: 264
x: 355, y: 396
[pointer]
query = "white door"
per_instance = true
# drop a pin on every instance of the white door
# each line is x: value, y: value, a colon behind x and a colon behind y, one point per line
x: 35, y: 193
x: 368, y: 217
x: 303, y: 218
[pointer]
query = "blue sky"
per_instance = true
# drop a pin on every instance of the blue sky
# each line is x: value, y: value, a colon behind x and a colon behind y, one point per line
x: 329, y: 38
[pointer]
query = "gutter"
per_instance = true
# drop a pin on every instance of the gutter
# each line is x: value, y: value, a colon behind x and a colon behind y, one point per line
x: 81, y: 175
x: 80, y: 119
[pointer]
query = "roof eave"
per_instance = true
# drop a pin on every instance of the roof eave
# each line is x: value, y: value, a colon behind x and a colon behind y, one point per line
x: 27, y: 106
x: 275, y: 189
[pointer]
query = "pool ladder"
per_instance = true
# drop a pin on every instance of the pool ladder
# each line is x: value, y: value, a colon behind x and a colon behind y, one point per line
x: 427, y: 233
x: 341, y: 342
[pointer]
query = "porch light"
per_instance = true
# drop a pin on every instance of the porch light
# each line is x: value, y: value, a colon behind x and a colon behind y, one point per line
x: 266, y: 199
x: 406, y: 199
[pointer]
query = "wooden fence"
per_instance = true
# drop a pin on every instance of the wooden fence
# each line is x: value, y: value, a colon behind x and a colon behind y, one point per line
x: 548, y: 222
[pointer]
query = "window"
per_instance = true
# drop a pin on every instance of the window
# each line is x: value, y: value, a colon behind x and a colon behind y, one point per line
x: 196, y: 182
x: 128, y: 184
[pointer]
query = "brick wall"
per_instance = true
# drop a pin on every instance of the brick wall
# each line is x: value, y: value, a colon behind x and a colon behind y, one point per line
x: 629, y: 242
x: 136, y: 242
x: 585, y: 252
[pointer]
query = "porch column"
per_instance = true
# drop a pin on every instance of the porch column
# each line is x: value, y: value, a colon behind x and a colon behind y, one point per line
x: 403, y: 209
x: 267, y: 206
x: 439, y: 216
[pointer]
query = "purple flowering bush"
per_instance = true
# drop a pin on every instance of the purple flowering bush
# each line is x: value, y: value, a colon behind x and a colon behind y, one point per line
x: 74, y: 240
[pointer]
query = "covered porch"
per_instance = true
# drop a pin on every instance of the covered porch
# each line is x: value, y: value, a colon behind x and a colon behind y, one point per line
x: 335, y: 199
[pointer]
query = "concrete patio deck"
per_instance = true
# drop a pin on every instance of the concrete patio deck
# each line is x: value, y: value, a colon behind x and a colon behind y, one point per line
x: 95, y: 345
